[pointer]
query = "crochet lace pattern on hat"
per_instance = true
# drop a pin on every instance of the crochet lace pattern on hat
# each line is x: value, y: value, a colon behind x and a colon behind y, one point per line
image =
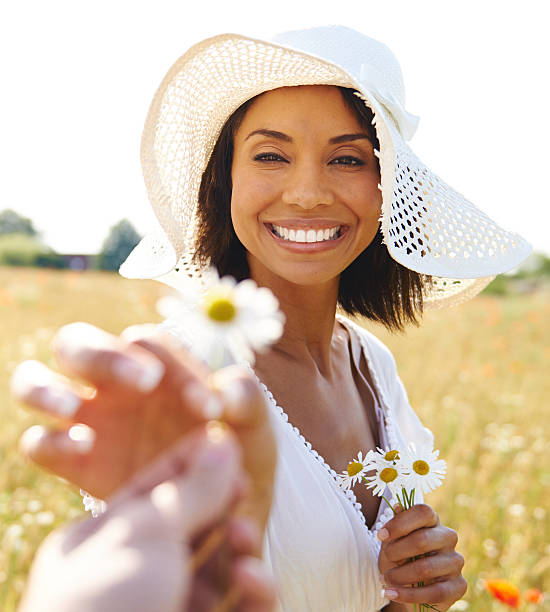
x: 429, y: 219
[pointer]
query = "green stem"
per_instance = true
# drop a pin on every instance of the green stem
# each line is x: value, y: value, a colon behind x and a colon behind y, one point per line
x: 405, y: 504
x: 389, y: 504
x: 399, y: 500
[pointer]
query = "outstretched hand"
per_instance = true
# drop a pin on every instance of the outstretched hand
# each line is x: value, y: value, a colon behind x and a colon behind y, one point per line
x: 417, y: 532
x: 139, y: 554
x: 146, y: 392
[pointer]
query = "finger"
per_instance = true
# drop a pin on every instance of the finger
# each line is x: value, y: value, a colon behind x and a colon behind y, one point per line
x: 102, y: 359
x: 183, y: 370
x: 437, y: 593
x: 255, y: 584
x: 245, y: 410
x: 63, y: 452
x: 204, y: 492
x: 243, y: 401
x: 243, y: 535
x: 172, y: 463
x: 204, y: 597
x: 420, y: 542
x: 426, y: 569
x: 36, y: 385
x: 403, y: 523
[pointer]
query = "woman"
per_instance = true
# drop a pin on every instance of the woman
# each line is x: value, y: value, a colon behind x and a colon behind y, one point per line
x: 286, y: 161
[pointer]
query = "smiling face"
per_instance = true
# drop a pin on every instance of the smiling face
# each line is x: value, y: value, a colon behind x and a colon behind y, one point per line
x: 305, y: 200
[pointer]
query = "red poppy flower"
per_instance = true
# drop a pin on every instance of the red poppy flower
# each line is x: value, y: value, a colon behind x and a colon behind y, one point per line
x: 534, y: 596
x: 504, y: 591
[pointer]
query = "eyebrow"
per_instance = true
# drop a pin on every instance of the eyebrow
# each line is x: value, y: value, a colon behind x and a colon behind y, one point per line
x: 287, y: 138
x: 270, y: 134
x: 349, y: 138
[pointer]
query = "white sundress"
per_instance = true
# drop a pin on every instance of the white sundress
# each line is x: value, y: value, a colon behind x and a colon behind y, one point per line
x: 322, y: 555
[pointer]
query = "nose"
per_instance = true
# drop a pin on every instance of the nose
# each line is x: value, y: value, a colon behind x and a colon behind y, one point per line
x: 307, y: 186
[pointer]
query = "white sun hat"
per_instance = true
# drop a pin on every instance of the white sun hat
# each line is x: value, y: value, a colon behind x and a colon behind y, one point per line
x: 427, y: 226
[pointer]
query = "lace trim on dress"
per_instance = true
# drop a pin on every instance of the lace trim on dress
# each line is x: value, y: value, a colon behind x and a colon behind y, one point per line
x: 387, y: 513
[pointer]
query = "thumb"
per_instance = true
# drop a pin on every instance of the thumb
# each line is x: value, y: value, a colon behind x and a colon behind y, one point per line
x: 201, y: 487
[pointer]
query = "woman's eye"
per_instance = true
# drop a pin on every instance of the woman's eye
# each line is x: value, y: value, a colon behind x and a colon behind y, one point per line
x: 347, y: 160
x: 269, y: 157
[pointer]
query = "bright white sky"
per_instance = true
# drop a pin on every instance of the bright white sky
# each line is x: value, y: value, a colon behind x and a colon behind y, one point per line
x: 77, y: 79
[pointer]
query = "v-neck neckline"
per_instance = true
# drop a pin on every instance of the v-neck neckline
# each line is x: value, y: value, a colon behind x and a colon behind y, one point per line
x: 384, y: 513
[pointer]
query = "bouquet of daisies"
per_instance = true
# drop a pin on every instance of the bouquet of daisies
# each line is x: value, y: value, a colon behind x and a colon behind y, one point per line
x: 402, y: 472
x: 399, y: 472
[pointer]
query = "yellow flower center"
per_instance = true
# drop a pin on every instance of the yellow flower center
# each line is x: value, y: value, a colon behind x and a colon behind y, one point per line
x: 388, y: 475
x: 421, y: 467
x: 354, y: 468
x: 219, y: 308
x: 392, y: 455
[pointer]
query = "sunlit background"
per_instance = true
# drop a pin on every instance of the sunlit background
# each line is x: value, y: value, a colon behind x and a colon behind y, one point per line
x: 78, y: 77
x: 76, y: 82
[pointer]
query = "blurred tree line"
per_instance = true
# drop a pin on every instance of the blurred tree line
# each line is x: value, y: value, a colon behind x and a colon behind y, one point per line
x: 531, y: 275
x: 21, y: 245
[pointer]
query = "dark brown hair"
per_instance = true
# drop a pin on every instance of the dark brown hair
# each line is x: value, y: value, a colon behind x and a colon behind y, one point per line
x: 374, y: 285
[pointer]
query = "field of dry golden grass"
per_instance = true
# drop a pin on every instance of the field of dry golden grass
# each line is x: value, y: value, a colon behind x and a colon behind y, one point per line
x: 478, y: 376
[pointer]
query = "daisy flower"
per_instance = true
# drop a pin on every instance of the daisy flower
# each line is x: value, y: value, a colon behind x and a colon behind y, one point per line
x: 355, y: 471
x: 384, y: 458
x: 422, y: 469
x: 227, y: 321
x: 387, y: 474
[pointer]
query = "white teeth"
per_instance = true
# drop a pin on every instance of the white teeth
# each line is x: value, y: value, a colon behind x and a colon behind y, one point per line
x: 309, y: 235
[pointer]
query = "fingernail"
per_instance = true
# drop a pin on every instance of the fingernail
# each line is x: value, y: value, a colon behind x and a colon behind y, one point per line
x: 213, y: 408
x: 389, y: 593
x: 33, y: 382
x: 206, y: 402
x: 165, y: 495
x: 81, y: 438
x: 237, y: 401
x: 144, y: 378
x: 216, y: 431
x: 139, y: 332
x: 234, y: 393
x: 216, y: 449
x: 31, y: 438
x: 383, y: 534
x: 60, y: 401
x: 25, y: 377
x: 72, y: 339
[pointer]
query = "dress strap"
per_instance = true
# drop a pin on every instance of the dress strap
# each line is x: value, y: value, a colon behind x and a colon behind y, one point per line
x: 367, y: 389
